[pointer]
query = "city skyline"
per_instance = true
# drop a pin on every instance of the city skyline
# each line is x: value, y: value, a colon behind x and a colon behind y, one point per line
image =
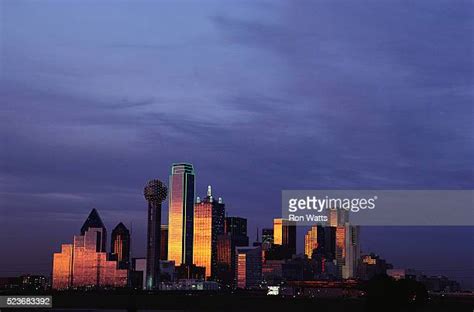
x: 259, y: 96
x: 335, y: 243
x: 220, y: 247
x: 280, y: 226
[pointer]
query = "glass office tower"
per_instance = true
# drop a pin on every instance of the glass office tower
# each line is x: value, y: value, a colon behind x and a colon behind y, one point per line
x: 164, y: 242
x: 284, y: 233
x: 314, y: 239
x: 120, y: 246
x: 94, y: 221
x: 81, y: 265
x: 181, y: 214
x: 209, y: 216
x: 237, y: 228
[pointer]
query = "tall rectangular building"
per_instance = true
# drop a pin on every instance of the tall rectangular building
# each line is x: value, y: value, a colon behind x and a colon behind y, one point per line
x: 120, y: 246
x: 338, y: 217
x: 181, y: 214
x: 352, y: 251
x: 313, y: 240
x: 225, y: 269
x: 284, y: 234
x: 164, y: 242
x: 237, y: 228
x: 209, y: 216
x: 235, y: 235
x: 249, y: 267
x: 347, y: 248
x: 62, y: 267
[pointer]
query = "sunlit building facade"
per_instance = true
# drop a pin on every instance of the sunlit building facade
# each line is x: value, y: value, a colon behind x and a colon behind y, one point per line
x: 313, y: 240
x: 62, y: 267
x: 202, y: 249
x: 181, y: 214
x: 284, y: 233
x: 338, y: 217
x: 347, y: 250
x: 164, y: 242
x: 120, y: 245
x: 224, y: 249
x: 81, y: 265
x: 340, y: 252
x: 209, y: 218
x: 249, y: 267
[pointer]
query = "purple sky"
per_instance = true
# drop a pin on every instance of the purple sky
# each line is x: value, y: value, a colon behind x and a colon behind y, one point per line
x: 97, y: 97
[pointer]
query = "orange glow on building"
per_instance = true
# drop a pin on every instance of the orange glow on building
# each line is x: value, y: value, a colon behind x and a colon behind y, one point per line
x: 369, y: 259
x: 164, y: 242
x: 202, y: 249
x: 249, y: 267
x: 241, y: 270
x: 80, y: 265
x: 225, y: 250
x: 118, y: 243
x: 62, y: 267
x: 175, y: 223
x: 278, y: 231
x: 311, y: 241
x: 338, y: 217
x: 209, y: 223
x: 284, y: 233
x: 340, y: 242
x: 180, y: 214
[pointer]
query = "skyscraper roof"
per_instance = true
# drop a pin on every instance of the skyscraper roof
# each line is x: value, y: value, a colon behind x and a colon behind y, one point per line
x: 92, y: 221
x: 120, y: 228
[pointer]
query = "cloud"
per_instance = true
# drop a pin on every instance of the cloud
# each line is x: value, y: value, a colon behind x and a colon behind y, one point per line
x: 259, y: 96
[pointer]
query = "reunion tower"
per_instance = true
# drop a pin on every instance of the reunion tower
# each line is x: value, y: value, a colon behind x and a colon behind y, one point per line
x: 155, y: 193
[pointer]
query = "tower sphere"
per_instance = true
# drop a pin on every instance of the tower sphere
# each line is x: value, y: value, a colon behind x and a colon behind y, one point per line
x: 155, y: 191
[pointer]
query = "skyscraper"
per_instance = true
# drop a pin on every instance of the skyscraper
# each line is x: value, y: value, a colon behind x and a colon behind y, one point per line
x: 249, y: 267
x: 181, y: 214
x: 94, y: 221
x: 267, y: 236
x: 311, y: 241
x: 164, y: 242
x: 91, y: 268
x: 338, y: 217
x: 155, y: 193
x: 284, y: 234
x: 120, y: 245
x: 209, y: 216
x: 235, y: 235
x: 352, y: 251
x: 347, y: 248
x: 237, y: 228
x: 225, y: 271
x: 83, y: 264
x: 62, y: 267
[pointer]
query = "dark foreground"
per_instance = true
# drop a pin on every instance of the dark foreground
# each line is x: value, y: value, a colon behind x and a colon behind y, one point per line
x: 73, y: 302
